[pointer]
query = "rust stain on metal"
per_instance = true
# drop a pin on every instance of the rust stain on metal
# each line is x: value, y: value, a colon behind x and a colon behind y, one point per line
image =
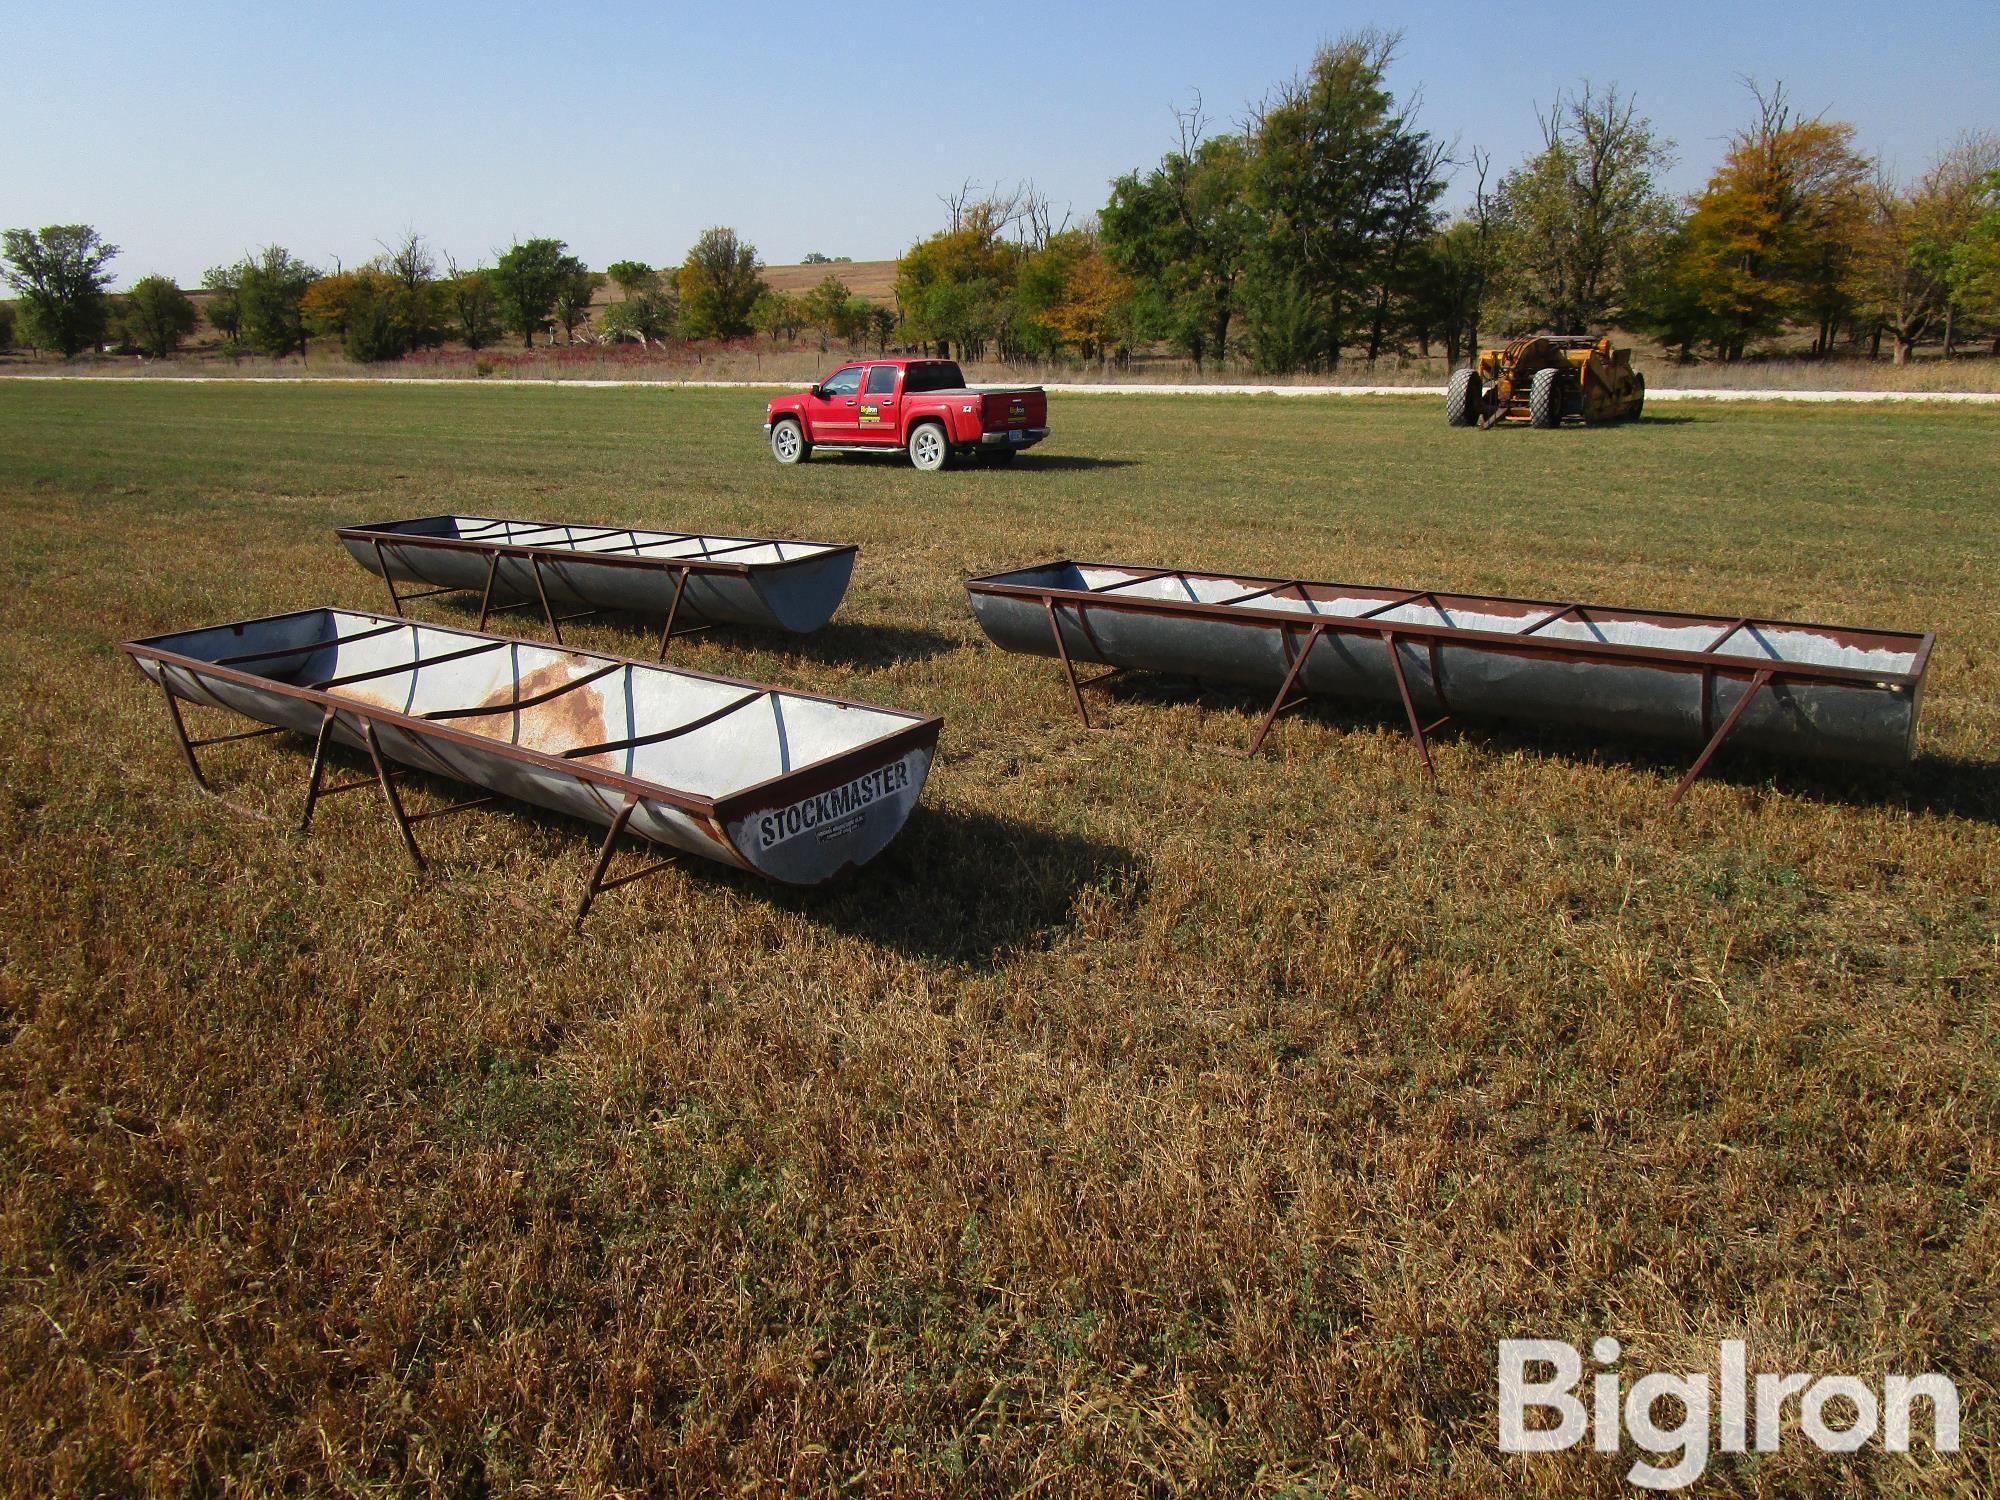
x: 561, y: 723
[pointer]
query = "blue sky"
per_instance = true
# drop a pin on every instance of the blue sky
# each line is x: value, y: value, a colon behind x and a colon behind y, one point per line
x: 194, y: 133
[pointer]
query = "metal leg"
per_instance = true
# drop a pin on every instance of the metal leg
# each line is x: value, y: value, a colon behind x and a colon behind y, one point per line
x: 387, y: 582
x: 486, y: 595
x: 555, y: 628
x: 318, y: 771
x: 181, y: 734
x: 388, y: 784
x: 1063, y: 651
x: 1410, y: 706
x: 673, y: 609
x: 1757, y: 683
x: 1279, y: 703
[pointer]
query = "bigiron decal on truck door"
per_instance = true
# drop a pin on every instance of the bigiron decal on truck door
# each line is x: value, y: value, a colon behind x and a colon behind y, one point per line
x: 832, y: 813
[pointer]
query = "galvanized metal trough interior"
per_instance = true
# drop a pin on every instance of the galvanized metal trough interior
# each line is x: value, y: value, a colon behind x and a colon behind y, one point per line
x: 1778, y: 685
x: 692, y: 580
x: 795, y: 786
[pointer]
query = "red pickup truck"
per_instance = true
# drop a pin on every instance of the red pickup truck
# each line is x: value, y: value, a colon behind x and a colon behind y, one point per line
x: 921, y: 406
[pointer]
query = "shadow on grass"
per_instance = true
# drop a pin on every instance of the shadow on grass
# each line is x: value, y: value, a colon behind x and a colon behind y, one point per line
x: 956, y: 886
x: 1932, y: 784
x: 853, y: 644
x: 964, y: 887
x: 1022, y: 461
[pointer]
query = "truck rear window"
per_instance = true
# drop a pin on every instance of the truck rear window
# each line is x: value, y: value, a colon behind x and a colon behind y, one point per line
x: 933, y: 375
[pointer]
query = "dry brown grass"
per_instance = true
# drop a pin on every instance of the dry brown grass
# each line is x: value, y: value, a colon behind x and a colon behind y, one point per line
x: 1143, y: 1120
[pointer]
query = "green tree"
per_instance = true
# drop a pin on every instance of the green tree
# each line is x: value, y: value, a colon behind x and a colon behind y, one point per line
x: 158, y: 315
x: 573, y: 299
x: 1584, y: 220
x: 471, y: 307
x: 719, y: 283
x: 1904, y: 268
x: 834, y: 311
x: 882, y: 323
x: 956, y: 287
x: 60, y: 276
x: 647, y: 310
x: 222, y: 309
x: 1348, y: 187
x: 415, y: 304
x: 528, y: 280
x: 1183, y: 233
x: 1974, y: 273
x: 632, y: 276
x: 6, y: 326
x: 270, y: 292
x: 778, y: 316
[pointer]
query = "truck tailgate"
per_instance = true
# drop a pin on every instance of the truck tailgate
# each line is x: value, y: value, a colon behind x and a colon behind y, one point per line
x: 1002, y: 410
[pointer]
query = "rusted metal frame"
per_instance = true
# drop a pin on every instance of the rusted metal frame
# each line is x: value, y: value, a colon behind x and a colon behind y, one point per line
x: 1759, y: 681
x: 1884, y: 639
x: 1410, y: 706
x: 1716, y: 644
x: 1383, y: 609
x: 1590, y: 650
x: 384, y: 779
x: 307, y: 649
x: 597, y: 885
x: 673, y: 611
x: 555, y: 620
x: 633, y: 742
x: 1274, y: 588
x: 399, y: 600
x: 1552, y: 617
x: 1062, y: 651
x: 486, y: 594
x: 535, y: 701
x: 389, y: 793
x: 409, y: 666
x: 1126, y: 583
x: 1279, y: 704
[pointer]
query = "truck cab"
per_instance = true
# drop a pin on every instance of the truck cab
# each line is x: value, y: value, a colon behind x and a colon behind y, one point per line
x: 920, y: 406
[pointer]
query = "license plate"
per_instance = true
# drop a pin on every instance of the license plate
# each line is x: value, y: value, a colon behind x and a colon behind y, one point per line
x: 1017, y: 437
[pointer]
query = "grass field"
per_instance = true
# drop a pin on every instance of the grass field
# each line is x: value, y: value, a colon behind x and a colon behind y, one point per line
x: 1143, y: 1119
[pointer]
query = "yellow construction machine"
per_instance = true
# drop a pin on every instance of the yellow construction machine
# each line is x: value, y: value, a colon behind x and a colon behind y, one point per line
x: 1544, y: 379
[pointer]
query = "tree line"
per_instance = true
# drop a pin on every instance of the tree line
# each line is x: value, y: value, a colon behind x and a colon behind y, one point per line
x: 1314, y: 234
x: 408, y: 298
x: 1310, y: 235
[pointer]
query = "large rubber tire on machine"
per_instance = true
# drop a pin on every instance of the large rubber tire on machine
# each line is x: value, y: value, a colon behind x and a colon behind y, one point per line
x: 1462, y: 398
x: 1638, y: 401
x: 788, y: 442
x: 929, y: 450
x: 1545, y: 399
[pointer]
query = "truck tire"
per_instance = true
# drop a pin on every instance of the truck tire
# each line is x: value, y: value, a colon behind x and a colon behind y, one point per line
x: 788, y: 442
x: 929, y: 448
x: 1545, y: 399
x: 1638, y: 398
x: 1462, y: 398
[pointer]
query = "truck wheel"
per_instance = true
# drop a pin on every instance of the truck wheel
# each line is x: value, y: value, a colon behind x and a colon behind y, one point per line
x: 928, y: 449
x: 788, y: 443
x: 1545, y: 399
x: 1462, y: 398
x: 1638, y: 398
